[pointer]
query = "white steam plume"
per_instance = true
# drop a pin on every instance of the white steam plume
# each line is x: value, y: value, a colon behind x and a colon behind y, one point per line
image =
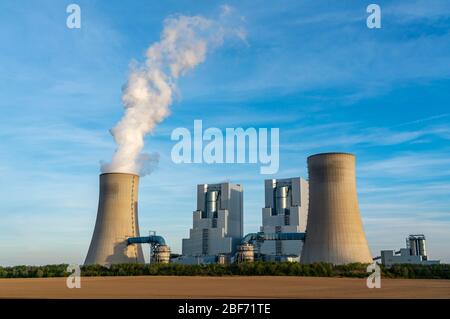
x: 184, y: 43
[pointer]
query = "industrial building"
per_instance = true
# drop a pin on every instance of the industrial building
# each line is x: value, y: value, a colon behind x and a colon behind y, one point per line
x: 334, y: 232
x: 414, y: 253
x: 285, y: 211
x: 217, y: 223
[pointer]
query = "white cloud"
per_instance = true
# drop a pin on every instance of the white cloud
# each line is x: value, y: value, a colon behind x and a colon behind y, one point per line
x: 412, y: 166
x: 351, y: 134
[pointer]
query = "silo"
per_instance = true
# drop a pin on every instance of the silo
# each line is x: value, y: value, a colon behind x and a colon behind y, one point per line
x: 417, y: 245
x: 334, y: 231
x: 422, y: 248
x: 413, y: 246
x: 117, y: 220
x: 161, y: 254
x: 245, y: 253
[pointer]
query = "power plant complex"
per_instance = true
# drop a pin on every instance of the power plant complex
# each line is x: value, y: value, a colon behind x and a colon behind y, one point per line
x: 305, y: 221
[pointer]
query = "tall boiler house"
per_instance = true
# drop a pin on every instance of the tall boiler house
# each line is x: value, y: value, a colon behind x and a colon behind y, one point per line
x: 285, y: 211
x: 334, y: 231
x: 217, y: 222
x: 117, y: 220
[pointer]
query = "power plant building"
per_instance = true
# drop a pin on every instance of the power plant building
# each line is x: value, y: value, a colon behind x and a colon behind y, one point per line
x: 217, y: 222
x: 117, y: 220
x: 334, y: 232
x: 414, y: 253
x: 285, y: 211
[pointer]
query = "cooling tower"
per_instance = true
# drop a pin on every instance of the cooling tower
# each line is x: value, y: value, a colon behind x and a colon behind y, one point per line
x: 117, y: 220
x: 334, y: 231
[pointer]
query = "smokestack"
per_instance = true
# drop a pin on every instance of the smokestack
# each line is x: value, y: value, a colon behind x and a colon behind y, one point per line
x: 334, y: 232
x: 117, y: 219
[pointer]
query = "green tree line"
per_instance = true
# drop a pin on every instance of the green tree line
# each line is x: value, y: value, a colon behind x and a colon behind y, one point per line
x: 246, y: 269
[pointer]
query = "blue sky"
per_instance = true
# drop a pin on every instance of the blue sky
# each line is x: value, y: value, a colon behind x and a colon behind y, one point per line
x: 312, y: 69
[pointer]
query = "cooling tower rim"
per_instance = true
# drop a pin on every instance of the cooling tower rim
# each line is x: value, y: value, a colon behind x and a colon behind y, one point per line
x: 331, y: 153
x: 117, y: 173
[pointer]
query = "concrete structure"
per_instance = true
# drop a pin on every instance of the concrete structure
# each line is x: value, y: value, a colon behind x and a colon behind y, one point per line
x: 117, y: 220
x: 245, y: 253
x: 283, y: 258
x: 417, y: 245
x: 285, y: 211
x: 414, y: 253
x: 223, y: 259
x: 389, y: 258
x: 334, y: 232
x: 161, y: 254
x: 196, y: 260
x: 217, y: 222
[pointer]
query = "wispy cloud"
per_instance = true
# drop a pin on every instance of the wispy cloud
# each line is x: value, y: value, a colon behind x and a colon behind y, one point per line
x: 410, y: 166
x: 412, y: 11
x: 351, y: 134
x: 377, y: 63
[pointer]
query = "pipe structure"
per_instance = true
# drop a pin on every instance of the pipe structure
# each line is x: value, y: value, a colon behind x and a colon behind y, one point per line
x: 261, y: 236
x: 152, y: 240
x: 159, y: 251
x: 334, y: 229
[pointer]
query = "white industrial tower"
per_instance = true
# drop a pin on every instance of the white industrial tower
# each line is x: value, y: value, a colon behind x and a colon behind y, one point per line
x: 217, y: 222
x: 285, y: 211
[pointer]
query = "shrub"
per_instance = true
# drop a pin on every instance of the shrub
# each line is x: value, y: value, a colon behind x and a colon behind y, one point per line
x: 245, y: 269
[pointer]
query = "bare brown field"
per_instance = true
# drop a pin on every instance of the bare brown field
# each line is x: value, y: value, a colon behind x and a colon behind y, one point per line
x: 222, y: 287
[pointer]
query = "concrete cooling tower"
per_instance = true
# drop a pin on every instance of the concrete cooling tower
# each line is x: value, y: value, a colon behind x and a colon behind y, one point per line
x: 334, y: 231
x: 117, y: 220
